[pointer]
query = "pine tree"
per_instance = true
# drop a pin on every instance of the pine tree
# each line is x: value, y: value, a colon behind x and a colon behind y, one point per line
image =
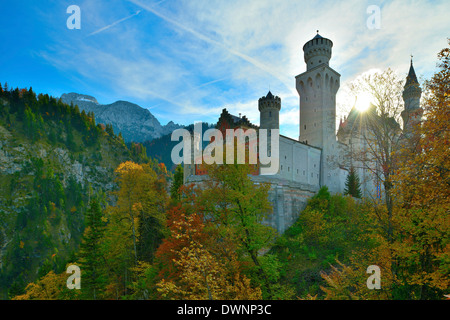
x: 90, y: 251
x: 352, y: 184
x: 177, y: 183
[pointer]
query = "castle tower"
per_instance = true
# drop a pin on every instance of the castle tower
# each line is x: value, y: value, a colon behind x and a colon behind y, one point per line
x: 411, y: 96
x: 317, y: 51
x: 269, y: 111
x: 317, y: 88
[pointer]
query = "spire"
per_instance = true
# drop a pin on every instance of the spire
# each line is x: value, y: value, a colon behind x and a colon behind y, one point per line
x: 411, y: 79
x: 318, y: 36
x: 411, y: 93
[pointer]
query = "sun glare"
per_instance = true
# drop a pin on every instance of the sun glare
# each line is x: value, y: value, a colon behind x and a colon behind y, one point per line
x: 363, y: 101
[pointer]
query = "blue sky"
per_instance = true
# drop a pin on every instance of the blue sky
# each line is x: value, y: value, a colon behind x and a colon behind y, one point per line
x: 187, y: 60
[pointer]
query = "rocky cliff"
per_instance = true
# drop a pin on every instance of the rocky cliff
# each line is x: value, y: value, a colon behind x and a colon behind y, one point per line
x: 136, y: 124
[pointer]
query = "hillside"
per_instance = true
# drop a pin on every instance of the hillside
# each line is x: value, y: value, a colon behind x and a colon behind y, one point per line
x: 52, y: 159
x: 160, y: 148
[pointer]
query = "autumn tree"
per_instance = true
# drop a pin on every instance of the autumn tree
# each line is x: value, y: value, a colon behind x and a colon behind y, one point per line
x: 201, y: 273
x: 423, y: 189
x: 52, y: 286
x: 135, y: 224
x: 414, y: 260
x: 237, y: 207
x: 168, y: 250
x: 379, y: 132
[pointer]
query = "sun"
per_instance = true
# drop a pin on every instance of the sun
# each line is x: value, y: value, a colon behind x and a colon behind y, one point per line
x: 363, y: 101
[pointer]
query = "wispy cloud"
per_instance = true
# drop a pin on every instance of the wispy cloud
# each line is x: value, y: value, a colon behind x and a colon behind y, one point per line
x: 114, y: 23
x: 190, y: 59
x: 201, y: 36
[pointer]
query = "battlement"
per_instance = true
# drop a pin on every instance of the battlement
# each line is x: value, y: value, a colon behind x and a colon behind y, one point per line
x: 269, y: 102
x: 317, y: 51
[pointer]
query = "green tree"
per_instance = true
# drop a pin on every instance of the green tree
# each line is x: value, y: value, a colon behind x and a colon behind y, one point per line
x: 352, y: 184
x: 177, y: 183
x: 237, y: 207
x: 91, y: 254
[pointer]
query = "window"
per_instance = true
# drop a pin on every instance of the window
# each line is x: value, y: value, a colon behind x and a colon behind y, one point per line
x: 305, y: 126
x: 270, y: 113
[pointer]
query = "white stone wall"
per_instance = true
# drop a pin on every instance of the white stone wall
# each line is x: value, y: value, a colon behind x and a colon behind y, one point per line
x: 299, y: 162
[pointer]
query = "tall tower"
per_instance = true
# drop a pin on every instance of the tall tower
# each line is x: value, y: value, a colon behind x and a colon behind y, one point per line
x: 411, y: 96
x: 269, y: 111
x: 317, y: 88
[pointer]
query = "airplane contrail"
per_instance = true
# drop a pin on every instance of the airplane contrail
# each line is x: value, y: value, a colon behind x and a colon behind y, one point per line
x: 201, y: 36
x: 114, y: 23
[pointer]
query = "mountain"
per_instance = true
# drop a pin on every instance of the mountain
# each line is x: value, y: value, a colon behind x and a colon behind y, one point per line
x: 136, y: 124
x: 53, y: 159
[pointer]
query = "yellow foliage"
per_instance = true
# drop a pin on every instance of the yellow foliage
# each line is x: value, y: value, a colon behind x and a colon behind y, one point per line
x: 204, y: 276
x: 128, y: 166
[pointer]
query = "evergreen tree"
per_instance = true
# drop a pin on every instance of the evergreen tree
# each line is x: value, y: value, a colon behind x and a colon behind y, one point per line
x: 177, y: 183
x: 352, y: 184
x: 70, y: 142
x: 109, y: 129
x: 90, y: 252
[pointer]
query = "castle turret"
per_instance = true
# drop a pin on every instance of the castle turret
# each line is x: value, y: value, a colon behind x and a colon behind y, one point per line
x: 411, y: 96
x: 317, y: 51
x: 269, y: 111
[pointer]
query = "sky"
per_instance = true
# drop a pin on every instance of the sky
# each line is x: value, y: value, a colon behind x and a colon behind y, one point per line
x: 186, y: 60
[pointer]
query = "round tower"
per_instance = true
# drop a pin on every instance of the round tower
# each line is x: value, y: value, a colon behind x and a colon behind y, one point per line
x: 269, y: 111
x: 411, y: 96
x: 412, y: 90
x: 317, y: 51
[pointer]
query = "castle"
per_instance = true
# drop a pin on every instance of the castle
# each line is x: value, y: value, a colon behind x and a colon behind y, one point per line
x: 322, y: 155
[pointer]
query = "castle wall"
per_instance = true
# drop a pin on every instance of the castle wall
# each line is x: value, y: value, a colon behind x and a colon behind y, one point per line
x: 288, y: 199
x: 299, y: 162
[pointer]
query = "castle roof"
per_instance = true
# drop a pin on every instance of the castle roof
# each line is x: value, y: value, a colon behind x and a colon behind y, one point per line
x: 411, y: 79
x: 234, y: 121
x: 318, y: 36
